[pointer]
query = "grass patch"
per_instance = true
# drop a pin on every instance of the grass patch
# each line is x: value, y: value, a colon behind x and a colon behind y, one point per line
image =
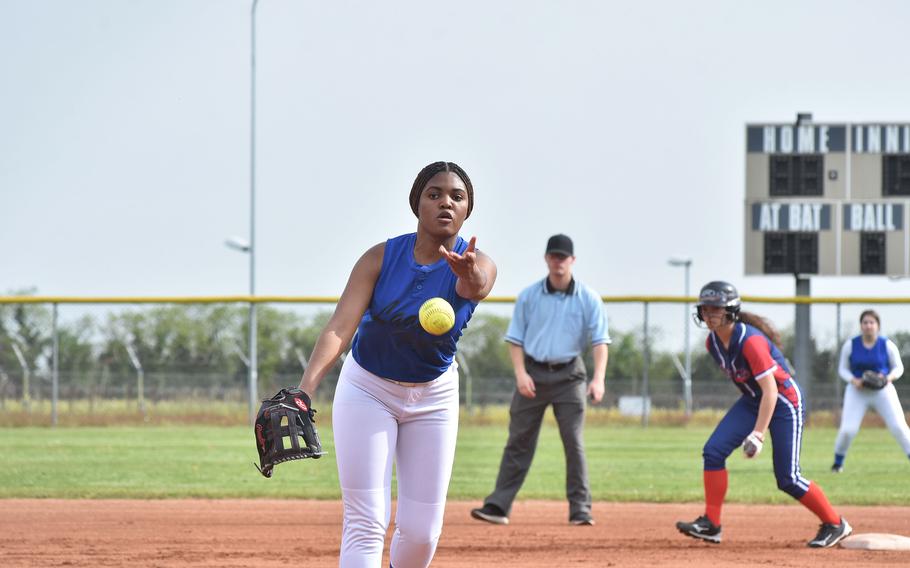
x: 625, y: 463
x: 119, y: 412
x: 663, y: 464
x: 204, y: 411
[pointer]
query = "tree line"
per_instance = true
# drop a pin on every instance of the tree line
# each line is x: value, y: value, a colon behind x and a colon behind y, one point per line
x: 205, y: 345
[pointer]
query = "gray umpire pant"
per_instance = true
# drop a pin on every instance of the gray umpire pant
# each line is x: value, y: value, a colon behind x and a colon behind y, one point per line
x: 564, y: 389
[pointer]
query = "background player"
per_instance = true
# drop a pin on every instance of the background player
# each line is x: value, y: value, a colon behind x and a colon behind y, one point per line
x: 745, y: 346
x: 869, y: 351
x: 397, y: 396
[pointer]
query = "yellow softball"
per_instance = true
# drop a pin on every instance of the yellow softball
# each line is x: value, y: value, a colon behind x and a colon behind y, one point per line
x: 436, y: 316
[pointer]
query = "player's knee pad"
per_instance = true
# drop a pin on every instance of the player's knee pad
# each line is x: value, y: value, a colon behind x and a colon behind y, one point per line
x: 366, y: 517
x: 714, y: 457
x: 419, y: 523
x: 791, y: 487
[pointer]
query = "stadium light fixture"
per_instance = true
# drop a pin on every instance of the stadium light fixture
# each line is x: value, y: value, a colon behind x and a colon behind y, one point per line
x: 687, y: 380
x: 237, y: 243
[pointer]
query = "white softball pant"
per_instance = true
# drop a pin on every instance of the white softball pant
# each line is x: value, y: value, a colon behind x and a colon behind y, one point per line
x: 888, y: 406
x: 376, y: 421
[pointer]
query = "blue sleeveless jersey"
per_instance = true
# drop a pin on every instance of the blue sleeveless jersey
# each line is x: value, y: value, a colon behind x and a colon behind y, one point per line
x: 875, y: 359
x: 389, y: 341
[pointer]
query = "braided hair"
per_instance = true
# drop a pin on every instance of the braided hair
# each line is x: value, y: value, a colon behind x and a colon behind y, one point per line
x: 427, y: 173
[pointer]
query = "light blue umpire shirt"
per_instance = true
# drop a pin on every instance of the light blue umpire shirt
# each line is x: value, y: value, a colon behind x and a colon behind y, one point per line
x: 554, y: 326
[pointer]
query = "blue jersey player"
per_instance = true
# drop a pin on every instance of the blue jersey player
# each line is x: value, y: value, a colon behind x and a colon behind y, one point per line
x: 397, y: 395
x: 745, y: 346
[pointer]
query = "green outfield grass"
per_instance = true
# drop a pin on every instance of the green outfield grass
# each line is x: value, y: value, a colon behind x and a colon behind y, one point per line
x: 626, y: 463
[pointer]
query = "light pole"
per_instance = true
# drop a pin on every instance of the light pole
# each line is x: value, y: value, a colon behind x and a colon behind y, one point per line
x: 249, y: 246
x: 242, y: 245
x: 687, y: 380
x: 254, y: 365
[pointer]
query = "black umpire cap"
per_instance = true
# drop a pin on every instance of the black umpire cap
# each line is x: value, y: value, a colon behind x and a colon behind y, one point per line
x: 560, y: 244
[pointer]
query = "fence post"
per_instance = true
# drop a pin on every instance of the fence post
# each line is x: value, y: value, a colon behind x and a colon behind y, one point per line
x: 645, y: 406
x: 55, y: 370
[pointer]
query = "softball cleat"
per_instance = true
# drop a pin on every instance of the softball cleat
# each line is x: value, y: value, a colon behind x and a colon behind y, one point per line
x: 702, y: 528
x: 829, y: 535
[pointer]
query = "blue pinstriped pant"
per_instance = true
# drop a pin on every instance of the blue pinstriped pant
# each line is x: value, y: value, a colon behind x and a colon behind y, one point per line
x: 786, y: 439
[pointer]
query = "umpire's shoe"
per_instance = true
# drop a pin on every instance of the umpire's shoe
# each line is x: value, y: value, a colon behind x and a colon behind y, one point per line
x: 491, y: 514
x: 829, y: 535
x: 702, y: 528
x: 582, y: 520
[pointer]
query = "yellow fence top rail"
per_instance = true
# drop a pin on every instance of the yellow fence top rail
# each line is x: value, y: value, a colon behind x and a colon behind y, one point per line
x: 491, y: 299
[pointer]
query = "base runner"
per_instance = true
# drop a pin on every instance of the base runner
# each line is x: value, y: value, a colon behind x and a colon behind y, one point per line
x: 745, y: 346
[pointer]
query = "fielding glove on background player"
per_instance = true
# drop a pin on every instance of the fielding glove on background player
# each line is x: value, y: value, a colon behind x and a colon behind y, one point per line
x: 297, y: 439
x: 873, y: 380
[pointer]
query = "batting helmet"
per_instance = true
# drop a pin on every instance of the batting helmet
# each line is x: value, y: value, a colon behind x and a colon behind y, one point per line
x: 719, y: 294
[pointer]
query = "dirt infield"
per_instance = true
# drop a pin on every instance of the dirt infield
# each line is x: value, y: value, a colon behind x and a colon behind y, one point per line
x: 200, y: 533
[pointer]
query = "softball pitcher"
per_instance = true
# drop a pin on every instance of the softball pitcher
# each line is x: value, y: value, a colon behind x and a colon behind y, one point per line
x: 744, y: 345
x: 869, y: 351
x: 397, y: 396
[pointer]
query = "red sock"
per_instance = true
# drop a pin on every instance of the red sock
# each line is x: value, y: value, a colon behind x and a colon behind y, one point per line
x: 715, y: 491
x: 815, y: 501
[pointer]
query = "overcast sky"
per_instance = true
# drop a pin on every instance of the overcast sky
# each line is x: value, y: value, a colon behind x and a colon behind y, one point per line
x: 125, y: 134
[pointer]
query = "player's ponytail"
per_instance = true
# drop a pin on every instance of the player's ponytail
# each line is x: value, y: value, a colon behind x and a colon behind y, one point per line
x: 763, y: 325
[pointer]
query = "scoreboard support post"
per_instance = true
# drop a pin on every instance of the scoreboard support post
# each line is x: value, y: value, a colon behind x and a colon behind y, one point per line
x: 802, y: 352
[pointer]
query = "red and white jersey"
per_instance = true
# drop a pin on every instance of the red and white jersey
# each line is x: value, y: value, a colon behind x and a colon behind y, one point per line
x: 749, y: 357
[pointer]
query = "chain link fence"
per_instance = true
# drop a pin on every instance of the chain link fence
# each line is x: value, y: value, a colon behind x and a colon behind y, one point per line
x: 85, y: 393
x: 642, y: 376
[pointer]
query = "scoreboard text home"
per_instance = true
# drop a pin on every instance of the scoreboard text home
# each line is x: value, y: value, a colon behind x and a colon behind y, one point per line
x: 828, y: 199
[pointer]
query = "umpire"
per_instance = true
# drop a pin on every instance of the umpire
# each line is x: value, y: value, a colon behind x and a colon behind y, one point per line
x: 554, y: 320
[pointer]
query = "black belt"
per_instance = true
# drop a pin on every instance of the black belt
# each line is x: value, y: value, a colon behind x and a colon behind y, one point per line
x: 552, y: 367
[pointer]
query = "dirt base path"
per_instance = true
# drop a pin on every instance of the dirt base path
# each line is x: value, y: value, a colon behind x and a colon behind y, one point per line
x: 201, y: 533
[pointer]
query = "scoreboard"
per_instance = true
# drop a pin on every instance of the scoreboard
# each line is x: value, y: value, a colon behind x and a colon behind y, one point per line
x: 827, y: 199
